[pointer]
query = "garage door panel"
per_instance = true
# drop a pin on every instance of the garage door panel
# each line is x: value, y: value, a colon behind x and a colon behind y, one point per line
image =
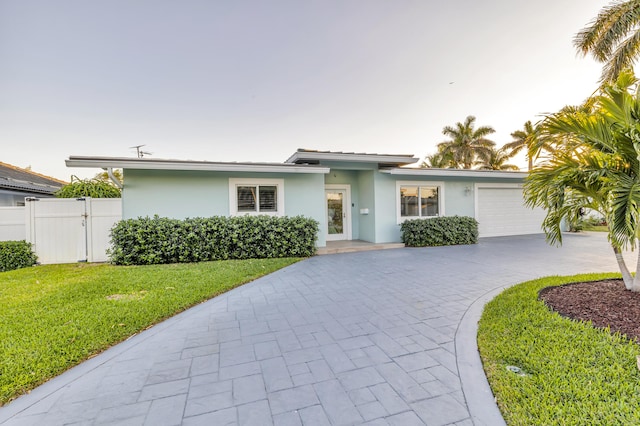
x: 501, y: 212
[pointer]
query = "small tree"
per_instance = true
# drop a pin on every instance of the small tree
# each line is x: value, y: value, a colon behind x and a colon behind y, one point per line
x: 94, y: 188
x: 595, y: 164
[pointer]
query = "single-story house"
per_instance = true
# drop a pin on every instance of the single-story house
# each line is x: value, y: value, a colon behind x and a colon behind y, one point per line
x: 354, y: 196
x: 17, y: 183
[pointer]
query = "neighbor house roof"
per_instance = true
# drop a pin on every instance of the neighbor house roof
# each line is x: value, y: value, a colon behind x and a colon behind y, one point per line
x: 18, y: 179
x: 309, y: 156
x: 160, y: 164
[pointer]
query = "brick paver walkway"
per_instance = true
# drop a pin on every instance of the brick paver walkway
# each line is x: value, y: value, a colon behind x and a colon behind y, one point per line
x: 359, y: 338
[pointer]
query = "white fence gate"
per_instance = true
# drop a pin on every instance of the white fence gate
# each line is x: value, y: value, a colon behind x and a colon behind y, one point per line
x: 67, y: 230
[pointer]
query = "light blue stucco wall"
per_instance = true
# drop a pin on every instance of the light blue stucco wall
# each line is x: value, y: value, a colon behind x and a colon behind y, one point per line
x: 174, y: 194
x: 367, y: 222
x: 459, y: 199
x: 182, y: 194
x: 376, y: 191
x: 304, y: 195
x: 386, y: 228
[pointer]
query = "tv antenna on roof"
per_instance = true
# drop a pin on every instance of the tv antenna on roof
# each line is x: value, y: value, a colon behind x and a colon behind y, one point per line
x: 140, y: 152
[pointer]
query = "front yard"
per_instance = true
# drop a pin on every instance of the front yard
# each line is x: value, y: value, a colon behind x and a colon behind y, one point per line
x: 54, y: 317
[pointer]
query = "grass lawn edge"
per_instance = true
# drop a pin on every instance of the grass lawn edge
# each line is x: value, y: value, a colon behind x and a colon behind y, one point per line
x: 572, y: 373
x: 42, y: 349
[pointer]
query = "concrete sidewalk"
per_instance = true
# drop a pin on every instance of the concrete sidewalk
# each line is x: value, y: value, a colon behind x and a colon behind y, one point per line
x: 378, y: 337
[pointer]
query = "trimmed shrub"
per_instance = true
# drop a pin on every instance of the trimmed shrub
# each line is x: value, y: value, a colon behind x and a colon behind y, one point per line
x: 440, y: 231
x: 15, y: 255
x: 146, y: 241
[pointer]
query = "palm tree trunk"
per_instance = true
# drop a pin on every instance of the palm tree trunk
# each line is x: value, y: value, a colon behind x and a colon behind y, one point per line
x: 530, y: 162
x: 629, y: 281
x: 636, y: 280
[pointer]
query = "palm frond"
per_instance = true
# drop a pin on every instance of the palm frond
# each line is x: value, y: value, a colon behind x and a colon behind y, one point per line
x: 612, y: 38
x: 625, y: 201
x: 612, y: 23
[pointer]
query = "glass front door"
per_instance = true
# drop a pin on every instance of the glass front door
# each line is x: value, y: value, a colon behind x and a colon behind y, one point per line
x: 336, y: 214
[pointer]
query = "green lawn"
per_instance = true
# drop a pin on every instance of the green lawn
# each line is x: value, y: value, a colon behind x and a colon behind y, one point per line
x: 574, y: 374
x: 596, y: 228
x: 53, y: 317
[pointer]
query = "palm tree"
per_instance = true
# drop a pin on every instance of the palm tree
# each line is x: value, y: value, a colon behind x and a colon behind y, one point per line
x: 595, y: 165
x: 117, y: 173
x: 497, y: 160
x: 613, y: 38
x: 467, y: 144
x: 439, y: 160
x: 530, y: 139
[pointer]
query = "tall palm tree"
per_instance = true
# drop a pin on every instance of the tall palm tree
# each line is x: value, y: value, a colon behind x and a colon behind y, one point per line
x: 595, y: 165
x: 497, y: 160
x: 529, y: 139
x: 613, y: 38
x: 467, y: 144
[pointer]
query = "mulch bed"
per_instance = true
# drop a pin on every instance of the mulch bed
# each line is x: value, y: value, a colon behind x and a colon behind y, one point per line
x: 605, y: 303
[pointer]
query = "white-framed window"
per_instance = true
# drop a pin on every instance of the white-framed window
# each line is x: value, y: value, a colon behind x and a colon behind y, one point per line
x: 256, y: 196
x: 417, y: 200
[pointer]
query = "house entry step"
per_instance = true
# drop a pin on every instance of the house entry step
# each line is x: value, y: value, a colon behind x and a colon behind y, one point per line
x: 335, y: 247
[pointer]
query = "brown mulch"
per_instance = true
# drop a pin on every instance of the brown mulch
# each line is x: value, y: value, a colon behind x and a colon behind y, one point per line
x: 605, y: 303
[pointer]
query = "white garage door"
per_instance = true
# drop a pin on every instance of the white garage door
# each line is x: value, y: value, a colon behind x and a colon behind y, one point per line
x: 501, y: 211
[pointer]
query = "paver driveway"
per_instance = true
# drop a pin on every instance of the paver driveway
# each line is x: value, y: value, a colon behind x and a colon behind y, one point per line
x: 340, y: 339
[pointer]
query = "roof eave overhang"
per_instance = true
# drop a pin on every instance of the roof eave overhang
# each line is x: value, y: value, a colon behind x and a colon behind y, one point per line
x: 306, y: 156
x: 155, y: 164
x: 457, y: 173
x: 31, y: 189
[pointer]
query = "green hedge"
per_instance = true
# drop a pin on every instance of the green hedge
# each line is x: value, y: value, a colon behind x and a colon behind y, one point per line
x: 146, y: 241
x: 440, y: 231
x: 15, y: 255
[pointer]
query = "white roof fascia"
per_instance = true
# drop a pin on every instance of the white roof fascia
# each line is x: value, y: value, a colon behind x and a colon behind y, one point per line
x: 341, y: 156
x: 456, y: 173
x: 157, y: 164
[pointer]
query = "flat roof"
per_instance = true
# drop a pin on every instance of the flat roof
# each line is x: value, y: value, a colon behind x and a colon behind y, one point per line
x: 165, y: 164
x: 410, y: 171
x: 308, y: 156
x: 303, y: 161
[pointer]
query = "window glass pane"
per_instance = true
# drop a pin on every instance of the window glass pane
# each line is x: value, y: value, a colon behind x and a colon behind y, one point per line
x: 408, y: 201
x: 268, y: 198
x: 335, y: 223
x: 246, y: 198
x: 428, y: 201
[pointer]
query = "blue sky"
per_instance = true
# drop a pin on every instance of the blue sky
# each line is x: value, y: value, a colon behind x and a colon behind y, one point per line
x: 253, y: 80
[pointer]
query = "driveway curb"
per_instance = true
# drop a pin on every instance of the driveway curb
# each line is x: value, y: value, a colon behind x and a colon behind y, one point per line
x: 475, y: 387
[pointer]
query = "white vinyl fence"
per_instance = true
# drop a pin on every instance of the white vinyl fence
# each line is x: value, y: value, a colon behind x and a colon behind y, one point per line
x: 12, y: 227
x: 64, y: 230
